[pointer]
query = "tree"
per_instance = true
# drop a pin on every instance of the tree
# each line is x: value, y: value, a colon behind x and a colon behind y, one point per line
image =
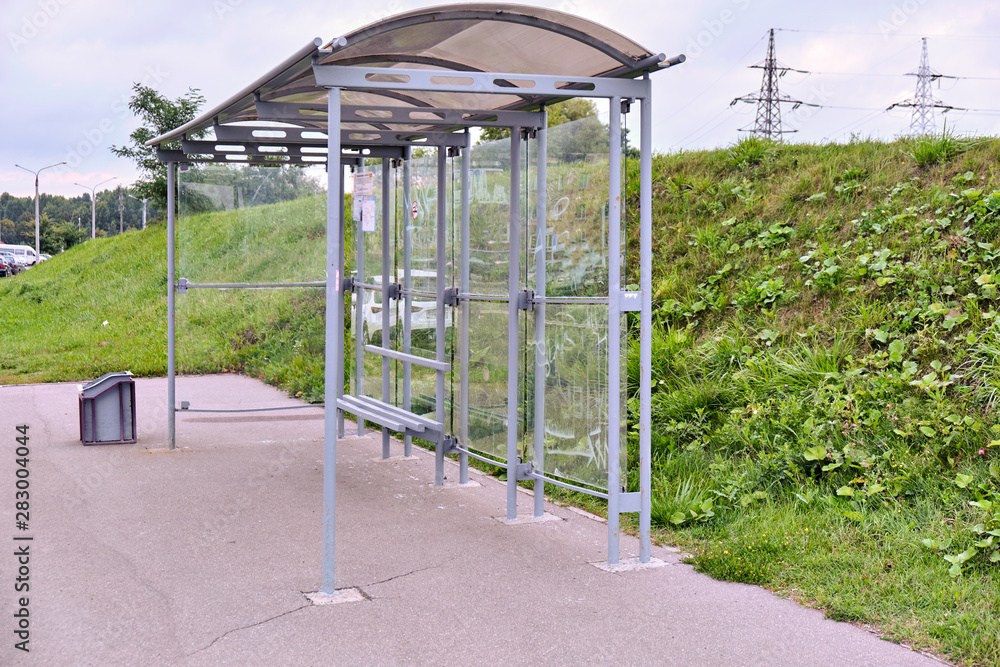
x: 159, y: 115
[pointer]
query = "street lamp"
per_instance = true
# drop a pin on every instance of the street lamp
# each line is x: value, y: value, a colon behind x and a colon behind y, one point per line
x: 143, y: 200
x: 38, y: 252
x: 93, y: 204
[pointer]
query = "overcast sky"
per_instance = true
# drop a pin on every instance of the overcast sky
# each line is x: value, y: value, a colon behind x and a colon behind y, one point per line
x: 67, y: 66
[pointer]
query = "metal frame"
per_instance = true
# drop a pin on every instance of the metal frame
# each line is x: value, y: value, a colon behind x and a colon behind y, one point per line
x: 373, y: 132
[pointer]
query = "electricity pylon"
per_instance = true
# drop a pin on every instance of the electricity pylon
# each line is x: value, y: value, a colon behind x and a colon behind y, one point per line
x: 923, y: 103
x: 768, y: 122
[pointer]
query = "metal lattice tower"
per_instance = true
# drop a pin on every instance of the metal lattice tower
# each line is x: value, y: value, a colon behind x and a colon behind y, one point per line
x: 768, y: 122
x: 922, y: 121
x: 923, y: 102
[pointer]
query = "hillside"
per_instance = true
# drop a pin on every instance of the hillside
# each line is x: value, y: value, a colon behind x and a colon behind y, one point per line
x: 826, y: 362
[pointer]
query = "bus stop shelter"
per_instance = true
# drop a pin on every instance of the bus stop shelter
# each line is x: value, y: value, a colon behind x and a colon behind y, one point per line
x: 483, y: 307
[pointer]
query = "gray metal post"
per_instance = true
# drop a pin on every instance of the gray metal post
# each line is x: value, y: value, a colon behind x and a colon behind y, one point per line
x: 541, y: 224
x: 334, y: 352
x: 340, y: 295
x: 408, y: 284
x: 171, y: 312
x: 614, y: 329
x: 463, y: 372
x: 386, y: 320
x: 359, y: 312
x: 442, y: 203
x: 513, y: 316
x: 646, y: 315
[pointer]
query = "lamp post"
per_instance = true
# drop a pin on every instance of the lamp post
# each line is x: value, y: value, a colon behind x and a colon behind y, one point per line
x: 143, y: 200
x: 93, y: 204
x: 38, y: 251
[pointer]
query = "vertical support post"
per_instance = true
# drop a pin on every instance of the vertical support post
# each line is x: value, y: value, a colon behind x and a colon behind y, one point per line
x: 463, y: 372
x: 359, y: 311
x: 513, y: 318
x: 408, y: 285
x: 541, y: 225
x: 614, y: 328
x: 386, y: 319
x: 439, y: 349
x: 646, y: 314
x: 334, y: 352
x: 340, y: 295
x: 171, y: 311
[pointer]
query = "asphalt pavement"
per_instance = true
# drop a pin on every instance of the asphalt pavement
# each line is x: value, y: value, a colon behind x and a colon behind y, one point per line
x: 206, y: 555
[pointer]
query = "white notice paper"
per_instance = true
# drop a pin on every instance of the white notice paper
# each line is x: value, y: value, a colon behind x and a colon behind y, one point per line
x: 368, y: 214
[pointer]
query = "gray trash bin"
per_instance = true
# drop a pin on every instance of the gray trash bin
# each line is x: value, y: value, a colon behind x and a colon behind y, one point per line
x: 107, y: 410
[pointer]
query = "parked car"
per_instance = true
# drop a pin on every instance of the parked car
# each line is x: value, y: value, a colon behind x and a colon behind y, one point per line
x: 43, y: 257
x: 24, y: 255
x: 8, y: 266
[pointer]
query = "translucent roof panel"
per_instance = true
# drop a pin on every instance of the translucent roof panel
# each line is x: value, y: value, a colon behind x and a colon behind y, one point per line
x: 511, y: 39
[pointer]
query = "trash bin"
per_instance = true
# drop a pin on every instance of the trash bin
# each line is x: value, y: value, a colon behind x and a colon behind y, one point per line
x: 107, y: 410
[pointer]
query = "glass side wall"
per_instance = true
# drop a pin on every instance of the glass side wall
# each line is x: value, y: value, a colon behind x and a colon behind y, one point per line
x: 489, y: 269
x: 573, y: 344
x: 246, y: 224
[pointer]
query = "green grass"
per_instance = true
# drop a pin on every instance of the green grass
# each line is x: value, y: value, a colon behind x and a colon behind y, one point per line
x: 98, y: 307
x: 826, y: 362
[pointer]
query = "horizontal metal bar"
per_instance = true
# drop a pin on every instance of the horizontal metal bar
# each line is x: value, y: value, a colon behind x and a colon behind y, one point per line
x: 256, y: 148
x: 479, y: 457
x: 284, y: 407
x: 410, y: 358
x: 408, y: 420
x: 221, y: 158
x: 249, y: 285
x: 372, y: 286
x: 566, y: 485
x: 382, y: 78
x: 359, y: 152
x: 569, y: 300
x: 581, y: 300
x: 434, y: 116
x: 371, y: 414
x: 300, y: 136
x: 413, y: 292
x: 401, y: 138
x: 393, y: 418
x: 499, y: 298
x: 402, y: 413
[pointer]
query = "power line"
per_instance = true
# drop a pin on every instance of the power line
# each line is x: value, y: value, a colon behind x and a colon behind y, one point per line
x: 888, y: 34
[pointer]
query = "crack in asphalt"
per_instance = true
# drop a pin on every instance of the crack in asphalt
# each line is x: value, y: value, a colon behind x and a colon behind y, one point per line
x: 246, y: 627
x: 406, y: 574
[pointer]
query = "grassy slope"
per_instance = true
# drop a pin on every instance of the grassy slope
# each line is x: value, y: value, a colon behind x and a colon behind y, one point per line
x: 98, y: 307
x: 824, y: 380
x: 791, y: 448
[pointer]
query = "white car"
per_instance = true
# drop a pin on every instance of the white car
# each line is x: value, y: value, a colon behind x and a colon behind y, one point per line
x: 23, y: 255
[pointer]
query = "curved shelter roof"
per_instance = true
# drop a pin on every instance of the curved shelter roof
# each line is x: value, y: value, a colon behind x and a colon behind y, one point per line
x: 494, y: 38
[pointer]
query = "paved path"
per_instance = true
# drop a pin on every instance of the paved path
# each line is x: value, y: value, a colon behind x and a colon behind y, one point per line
x: 202, y: 557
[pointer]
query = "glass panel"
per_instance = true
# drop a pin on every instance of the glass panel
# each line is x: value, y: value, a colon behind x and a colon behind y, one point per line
x: 265, y: 224
x: 576, y: 393
x: 487, y: 378
x: 576, y: 240
x: 489, y: 218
